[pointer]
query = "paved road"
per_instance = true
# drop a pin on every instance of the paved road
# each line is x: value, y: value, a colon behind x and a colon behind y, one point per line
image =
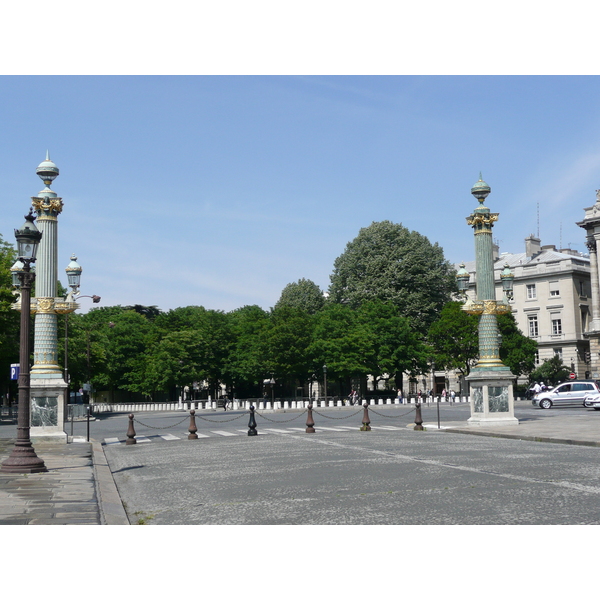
x: 391, y: 475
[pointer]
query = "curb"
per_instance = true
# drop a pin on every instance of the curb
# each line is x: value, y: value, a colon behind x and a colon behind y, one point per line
x: 527, y: 438
x: 111, y: 507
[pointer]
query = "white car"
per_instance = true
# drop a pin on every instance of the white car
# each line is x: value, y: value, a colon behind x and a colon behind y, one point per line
x: 569, y: 393
x: 592, y: 401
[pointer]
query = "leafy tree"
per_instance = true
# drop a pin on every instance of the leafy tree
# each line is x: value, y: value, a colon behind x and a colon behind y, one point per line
x: 551, y: 371
x: 179, y: 359
x: 289, y: 343
x: 388, y: 262
x: 211, y: 329
x: 9, y: 318
x: 517, y: 351
x: 342, y: 342
x: 304, y: 294
x: 247, y: 363
x: 453, y: 339
x: 394, y: 347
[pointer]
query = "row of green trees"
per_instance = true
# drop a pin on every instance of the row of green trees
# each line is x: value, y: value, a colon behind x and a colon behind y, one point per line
x: 388, y: 313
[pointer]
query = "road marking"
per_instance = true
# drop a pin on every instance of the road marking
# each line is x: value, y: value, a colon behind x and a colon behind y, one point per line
x: 328, y: 428
x: 142, y: 439
x: 224, y: 433
x: 169, y: 437
x: 109, y: 441
x: 277, y: 430
x: 261, y: 432
x: 386, y: 427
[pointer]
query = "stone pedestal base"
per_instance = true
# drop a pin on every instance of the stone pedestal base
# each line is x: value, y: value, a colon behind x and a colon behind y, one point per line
x: 48, y: 410
x: 492, y: 399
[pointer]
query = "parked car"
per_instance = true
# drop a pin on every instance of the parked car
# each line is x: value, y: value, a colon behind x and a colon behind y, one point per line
x: 569, y: 393
x: 592, y: 401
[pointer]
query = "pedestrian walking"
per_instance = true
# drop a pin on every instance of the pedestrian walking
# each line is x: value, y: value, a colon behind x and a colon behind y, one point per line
x: 400, y: 398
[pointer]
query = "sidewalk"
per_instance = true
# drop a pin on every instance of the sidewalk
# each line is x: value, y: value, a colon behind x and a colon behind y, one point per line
x: 79, y: 487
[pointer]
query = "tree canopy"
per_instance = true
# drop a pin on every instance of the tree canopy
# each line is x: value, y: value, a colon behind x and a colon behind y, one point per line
x: 304, y: 294
x: 388, y: 262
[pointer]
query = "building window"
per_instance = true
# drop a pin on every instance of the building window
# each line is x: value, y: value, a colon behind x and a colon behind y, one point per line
x: 537, y: 357
x: 584, y: 314
x: 533, y: 326
x: 557, y: 352
x: 556, y: 327
x: 531, y: 291
x: 554, y: 288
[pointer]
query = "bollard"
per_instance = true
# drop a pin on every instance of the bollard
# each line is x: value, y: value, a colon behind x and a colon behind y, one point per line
x: 252, y: 422
x: 418, y: 418
x: 366, y: 421
x: 310, y: 423
x: 193, y: 429
x: 130, y: 433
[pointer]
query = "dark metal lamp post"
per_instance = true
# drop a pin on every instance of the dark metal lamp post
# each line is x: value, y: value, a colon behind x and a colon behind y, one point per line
x: 23, y: 458
x: 325, y: 385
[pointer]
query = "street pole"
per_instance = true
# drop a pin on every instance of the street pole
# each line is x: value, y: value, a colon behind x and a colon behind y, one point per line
x: 23, y: 458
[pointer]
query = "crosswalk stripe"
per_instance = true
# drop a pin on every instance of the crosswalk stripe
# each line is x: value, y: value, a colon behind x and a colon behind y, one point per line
x: 224, y: 433
x: 391, y: 427
x: 109, y: 441
x: 169, y: 437
x: 141, y: 439
x: 278, y: 430
x: 327, y: 428
x: 258, y: 431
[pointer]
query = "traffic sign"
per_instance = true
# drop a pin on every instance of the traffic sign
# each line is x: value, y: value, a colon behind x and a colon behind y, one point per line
x: 572, y: 376
x: 14, y: 372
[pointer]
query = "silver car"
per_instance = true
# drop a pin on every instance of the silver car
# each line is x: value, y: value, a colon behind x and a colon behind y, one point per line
x: 571, y: 393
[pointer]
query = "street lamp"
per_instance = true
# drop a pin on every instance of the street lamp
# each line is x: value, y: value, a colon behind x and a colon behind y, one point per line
x: 23, y: 458
x: 325, y: 384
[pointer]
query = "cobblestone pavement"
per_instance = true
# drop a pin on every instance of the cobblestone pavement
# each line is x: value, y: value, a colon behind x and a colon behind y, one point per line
x: 225, y: 479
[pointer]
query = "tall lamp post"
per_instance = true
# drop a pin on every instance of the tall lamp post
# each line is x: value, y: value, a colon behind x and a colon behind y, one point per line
x: 492, y: 399
x: 23, y: 458
x: 325, y: 385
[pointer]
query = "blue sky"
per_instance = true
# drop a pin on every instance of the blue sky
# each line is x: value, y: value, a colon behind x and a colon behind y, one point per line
x: 220, y: 190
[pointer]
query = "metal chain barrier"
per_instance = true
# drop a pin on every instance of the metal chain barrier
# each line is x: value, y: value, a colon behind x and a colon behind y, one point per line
x: 392, y: 416
x: 164, y: 427
x: 222, y: 420
x: 338, y: 418
x: 285, y: 421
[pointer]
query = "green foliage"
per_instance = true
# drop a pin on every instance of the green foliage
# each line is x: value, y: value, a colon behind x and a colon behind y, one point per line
x: 9, y: 318
x: 289, y: 343
x: 388, y: 262
x: 394, y: 347
x: 340, y: 341
x: 551, y: 371
x: 516, y: 350
x: 247, y: 363
x: 303, y: 294
x: 453, y: 339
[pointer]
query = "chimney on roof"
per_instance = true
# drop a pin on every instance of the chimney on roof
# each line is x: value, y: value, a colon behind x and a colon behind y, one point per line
x: 532, y: 246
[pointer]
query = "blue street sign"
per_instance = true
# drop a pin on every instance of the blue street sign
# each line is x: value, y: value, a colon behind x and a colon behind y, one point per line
x: 14, y: 372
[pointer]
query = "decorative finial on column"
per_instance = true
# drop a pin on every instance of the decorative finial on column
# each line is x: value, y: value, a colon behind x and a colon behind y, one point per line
x: 481, y: 190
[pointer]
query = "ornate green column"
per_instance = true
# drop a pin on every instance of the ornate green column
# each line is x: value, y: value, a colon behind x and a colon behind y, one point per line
x: 491, y: 382
x: 48, y: 387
